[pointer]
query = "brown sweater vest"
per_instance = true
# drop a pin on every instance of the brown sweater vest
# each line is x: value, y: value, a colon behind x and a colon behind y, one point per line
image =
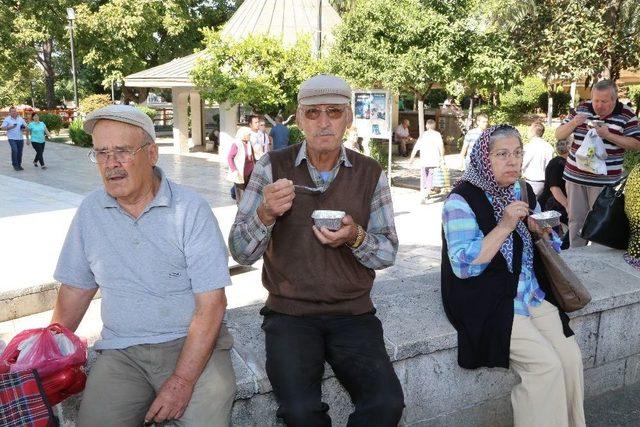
x: 303, y: 276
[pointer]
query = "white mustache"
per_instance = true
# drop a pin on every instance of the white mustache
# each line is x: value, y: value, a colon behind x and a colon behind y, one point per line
x: 115, y: 173
x: 325, y: 132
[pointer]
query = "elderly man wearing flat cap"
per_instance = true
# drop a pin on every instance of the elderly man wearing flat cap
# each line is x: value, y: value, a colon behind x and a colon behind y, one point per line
x: 155, y: 251
x: 319, y: 280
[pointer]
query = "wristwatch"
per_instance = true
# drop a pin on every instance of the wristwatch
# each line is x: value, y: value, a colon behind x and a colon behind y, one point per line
x: 360, y: 235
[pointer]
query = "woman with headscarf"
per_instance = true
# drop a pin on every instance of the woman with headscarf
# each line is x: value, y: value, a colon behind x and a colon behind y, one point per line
x: 495, y: 290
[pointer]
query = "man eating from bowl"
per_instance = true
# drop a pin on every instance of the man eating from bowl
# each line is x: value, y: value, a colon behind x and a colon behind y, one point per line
x: 319, y: 281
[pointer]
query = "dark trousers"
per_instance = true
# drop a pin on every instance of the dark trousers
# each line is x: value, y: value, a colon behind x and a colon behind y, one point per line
x: 39, y: 147
x: 16, y: 152
x: 297, y: 347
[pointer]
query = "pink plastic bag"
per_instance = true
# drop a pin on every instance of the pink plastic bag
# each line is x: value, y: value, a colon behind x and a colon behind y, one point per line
x: 47, y: 350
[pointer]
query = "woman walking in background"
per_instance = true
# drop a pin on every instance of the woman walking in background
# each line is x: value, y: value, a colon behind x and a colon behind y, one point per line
x: 431, y: 150
x: 36, y: 133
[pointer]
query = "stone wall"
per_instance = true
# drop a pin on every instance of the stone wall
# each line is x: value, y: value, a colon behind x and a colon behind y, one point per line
x: 422, y: 345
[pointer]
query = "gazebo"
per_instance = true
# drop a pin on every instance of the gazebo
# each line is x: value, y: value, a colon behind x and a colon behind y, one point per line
x: 286, y: 20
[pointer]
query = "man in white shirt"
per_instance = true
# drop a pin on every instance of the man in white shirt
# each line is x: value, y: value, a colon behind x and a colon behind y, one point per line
x: 537, y: 154
x: 15, y: 125
x: 403, y: 137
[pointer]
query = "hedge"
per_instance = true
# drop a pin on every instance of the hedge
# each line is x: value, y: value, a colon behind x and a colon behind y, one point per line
x: 78, y: 135
x: 53, y: 122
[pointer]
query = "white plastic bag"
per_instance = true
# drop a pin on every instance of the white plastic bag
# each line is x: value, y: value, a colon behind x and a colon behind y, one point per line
x: 591, y: 155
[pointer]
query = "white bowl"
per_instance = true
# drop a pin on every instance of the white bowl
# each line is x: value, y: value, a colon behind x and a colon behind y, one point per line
x: 547, y: 219
x: 331, y: 220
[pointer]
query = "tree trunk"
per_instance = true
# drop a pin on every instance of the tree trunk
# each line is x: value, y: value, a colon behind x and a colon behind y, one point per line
x: 549, y: 107
x: 420, y: 116
x: 45, y: 60
x: 469, y: 122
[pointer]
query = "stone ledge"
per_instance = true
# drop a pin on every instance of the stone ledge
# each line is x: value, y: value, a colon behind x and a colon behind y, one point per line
x: 422, y: 345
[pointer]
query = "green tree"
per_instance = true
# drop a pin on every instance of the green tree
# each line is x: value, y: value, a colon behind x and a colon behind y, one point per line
x: 258, y: 71
x: 34, y: 34
x: 404, y: 46
x: 121, y: 37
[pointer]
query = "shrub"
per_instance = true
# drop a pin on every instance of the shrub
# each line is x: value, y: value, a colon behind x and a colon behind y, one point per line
x: 634, y: 94
x: 53, y: 122
x: 561, y: 102
x: 523, y: 98
x: 78, y: 135
x: 93, y: 102
x: 631, y: 160
x: 549, y: 133
x: 379, y: 151
x: 295, y: 135
x: 147, y: 110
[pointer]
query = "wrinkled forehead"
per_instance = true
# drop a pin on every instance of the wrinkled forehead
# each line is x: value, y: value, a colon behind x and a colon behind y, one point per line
x: 602, y: 95
x: 113, y: 134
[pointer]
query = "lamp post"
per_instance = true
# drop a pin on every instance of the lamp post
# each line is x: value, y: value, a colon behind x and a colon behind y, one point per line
x: 71, y: 16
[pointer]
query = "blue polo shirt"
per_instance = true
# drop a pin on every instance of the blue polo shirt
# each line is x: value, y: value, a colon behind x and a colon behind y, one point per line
x: 148, y: 269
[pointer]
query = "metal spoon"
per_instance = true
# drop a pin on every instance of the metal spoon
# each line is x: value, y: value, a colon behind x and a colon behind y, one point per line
x: 311, y: 189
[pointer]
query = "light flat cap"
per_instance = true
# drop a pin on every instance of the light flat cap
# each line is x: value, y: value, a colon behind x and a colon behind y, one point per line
x: 324, y: 89
x: 120, y: 113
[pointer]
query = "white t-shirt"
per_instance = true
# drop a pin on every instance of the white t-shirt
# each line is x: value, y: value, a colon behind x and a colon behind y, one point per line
x: 429, y: 144
x: 537, y: 154
x: 402, y: 132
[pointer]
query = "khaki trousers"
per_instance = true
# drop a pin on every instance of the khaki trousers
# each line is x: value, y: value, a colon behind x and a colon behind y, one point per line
x: 550, y: 365
x: 123, y: 383
x: 581, y: 198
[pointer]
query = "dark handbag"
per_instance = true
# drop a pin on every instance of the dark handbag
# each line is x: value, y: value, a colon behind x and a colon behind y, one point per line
x: 567, y: 289
x: 607, y: 223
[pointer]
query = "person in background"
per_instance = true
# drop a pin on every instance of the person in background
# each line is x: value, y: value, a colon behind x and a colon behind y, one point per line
x: 403, y: 137
x: 620, y: 133
x: 351, y: 140
x: 554, y: 193
x: 482, y: 122
x: 36, y: 131
x: 495, y: 288
x: 263, y: 137
x: 241, y: 161
x: 537, y: 155
x: 279, y: 134
x: 14, y: 125
x: 431, y: 150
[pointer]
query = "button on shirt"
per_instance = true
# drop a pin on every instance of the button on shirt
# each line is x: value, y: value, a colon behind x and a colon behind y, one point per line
x: 148, y: 269
x: 16, y: 132
x: 464, y: 241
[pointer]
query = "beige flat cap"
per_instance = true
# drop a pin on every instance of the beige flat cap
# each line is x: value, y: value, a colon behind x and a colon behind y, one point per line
x: 120, y: 113
x: 324, y: 89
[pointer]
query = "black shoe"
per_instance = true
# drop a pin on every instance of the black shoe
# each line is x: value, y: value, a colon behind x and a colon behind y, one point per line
x: 20, y: 168
x: 44, y: 167
x: 16, y: 168
x: 35, y: 164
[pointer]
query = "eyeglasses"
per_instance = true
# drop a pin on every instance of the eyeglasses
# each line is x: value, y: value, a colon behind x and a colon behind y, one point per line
x: 504, y: 154
x: 120, y: 155
x: 333, y: 113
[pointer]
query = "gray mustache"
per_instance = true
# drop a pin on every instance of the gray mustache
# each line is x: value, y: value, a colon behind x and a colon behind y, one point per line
x: 325, y: 132
x: 115, y: 172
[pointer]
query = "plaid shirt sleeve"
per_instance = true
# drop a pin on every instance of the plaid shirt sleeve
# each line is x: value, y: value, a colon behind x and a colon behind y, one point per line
x: 249, y: 237
x: 380, y: 245
x: 463, y: 236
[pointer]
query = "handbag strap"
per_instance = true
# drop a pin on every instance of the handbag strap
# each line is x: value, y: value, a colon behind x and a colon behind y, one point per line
x: 524, y: 193
x: 622, y: 183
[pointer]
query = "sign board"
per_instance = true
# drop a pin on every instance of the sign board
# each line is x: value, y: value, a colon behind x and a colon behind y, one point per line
x: 372, y: 113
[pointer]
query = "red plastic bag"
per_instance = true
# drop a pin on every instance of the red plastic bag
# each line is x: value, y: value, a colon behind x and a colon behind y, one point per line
x: 48, y: 350
x: 64, y: 383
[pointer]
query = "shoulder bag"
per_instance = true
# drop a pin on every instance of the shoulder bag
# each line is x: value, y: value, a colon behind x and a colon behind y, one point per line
x: 566, y: 287
x: 607, y: 223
